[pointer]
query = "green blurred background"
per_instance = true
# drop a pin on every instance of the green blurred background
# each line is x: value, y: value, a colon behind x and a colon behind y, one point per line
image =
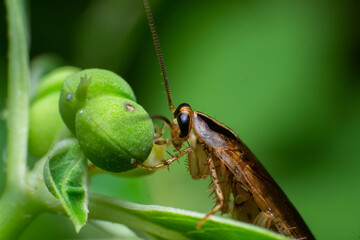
x: 284, y: 75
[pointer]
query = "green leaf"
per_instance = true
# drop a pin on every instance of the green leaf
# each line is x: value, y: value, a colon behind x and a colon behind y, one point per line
x: 65, y: 175
x: 171, y: 223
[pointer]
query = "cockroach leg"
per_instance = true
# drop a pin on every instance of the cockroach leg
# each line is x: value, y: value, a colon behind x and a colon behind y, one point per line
x: 164, y: 119
x: 166, y: 162
x: 156, y: 129
x: 161, y: 142
x: 161, y: 132
x: 217, y: 189
x: 157, y: 136
x: 264, y: 219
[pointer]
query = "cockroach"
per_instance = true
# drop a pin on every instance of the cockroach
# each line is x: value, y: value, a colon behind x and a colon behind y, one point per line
x: 216, y: 151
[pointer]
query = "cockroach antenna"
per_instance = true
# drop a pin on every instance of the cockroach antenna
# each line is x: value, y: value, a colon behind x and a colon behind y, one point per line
x: 158, y: 51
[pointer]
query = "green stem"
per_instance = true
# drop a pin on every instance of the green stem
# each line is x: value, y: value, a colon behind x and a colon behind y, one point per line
x: 20, y: 206
x: 17, y: 208
x: 16, y: 213
x: 18, y: 94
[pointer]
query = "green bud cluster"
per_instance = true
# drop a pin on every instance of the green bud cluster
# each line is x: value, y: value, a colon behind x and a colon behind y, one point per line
x: 100, y: 108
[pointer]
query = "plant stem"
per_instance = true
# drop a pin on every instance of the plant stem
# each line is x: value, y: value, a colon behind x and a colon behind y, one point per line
x: 18, y: 94
x: 17, y: 209
x: 18, y: 206
x: 16, y: 213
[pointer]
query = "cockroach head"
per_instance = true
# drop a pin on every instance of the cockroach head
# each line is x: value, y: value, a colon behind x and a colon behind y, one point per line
x: 183, y: 115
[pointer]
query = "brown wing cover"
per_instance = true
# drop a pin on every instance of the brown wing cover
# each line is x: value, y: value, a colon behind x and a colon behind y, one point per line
x: 250, y: 174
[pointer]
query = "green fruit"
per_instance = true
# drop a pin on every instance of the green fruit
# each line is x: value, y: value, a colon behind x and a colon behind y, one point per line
x: 86, y: 85
x: 45, y: 120
x: 112, y: 130
x: 100, y: 108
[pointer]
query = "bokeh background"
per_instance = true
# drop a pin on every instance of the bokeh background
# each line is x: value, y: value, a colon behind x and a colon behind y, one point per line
x: 284, y: 75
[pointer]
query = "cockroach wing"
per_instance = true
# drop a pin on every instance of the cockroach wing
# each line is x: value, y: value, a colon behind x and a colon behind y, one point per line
x: 211, y: 131
x: 266, y: 193
x: 228, y: 147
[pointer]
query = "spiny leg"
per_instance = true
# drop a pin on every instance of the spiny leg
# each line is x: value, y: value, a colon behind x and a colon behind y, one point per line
x: 166, y: 163
x: 219, y: 194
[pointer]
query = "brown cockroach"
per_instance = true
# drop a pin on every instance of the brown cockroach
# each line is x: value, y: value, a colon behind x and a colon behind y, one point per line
x: 216, y: 151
